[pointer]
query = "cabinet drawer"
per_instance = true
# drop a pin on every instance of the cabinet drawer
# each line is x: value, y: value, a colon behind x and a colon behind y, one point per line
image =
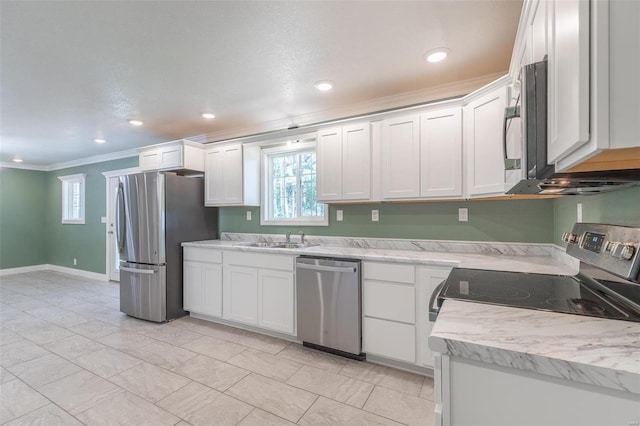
x: 390, y: 339
x: 395, y: 302
x: 259, y: 260
x: 389, y: 272
x: 202, y: 254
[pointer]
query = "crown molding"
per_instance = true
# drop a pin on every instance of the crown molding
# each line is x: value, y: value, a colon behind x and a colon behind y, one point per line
x: 73, y: 163
x: 23, y: 166
x: 386, y: 103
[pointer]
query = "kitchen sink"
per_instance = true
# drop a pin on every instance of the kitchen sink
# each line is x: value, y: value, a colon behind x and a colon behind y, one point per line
x: 271, y: 244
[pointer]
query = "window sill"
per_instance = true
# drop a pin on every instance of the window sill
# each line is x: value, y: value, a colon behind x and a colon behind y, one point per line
x: 73, y: 222
x: 324, y: 222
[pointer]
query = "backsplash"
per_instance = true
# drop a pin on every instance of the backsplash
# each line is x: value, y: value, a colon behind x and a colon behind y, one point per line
x: 529, y: 221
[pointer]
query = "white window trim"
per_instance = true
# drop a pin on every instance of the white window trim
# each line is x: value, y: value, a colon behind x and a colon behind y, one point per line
x: 66, y: 181
x: 266, y: 201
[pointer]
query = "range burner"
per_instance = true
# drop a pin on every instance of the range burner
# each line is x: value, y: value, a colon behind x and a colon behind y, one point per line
x: 502, y: 292
x: 577, y: 305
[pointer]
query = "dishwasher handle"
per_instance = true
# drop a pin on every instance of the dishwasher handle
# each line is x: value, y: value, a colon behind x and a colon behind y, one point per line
x: 433, y: 302
x: 323, y: 268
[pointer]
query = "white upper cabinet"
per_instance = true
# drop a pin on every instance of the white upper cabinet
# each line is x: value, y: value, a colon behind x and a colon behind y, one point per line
x: 401, y: 157
x: 483, y: 134
x: 568, y: 77
x: 344, y: 163
x: 329, y: 163
x: 175, y: 155
x: 441, y: 153
x: 232, y: 175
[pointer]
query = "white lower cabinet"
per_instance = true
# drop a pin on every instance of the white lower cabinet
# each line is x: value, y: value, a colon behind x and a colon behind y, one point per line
x: 390, y: 339
x: 395, y: 306
x: 389, y: 302
x: 257, y: 293
x: 241, y: 294
x: 202, y: 288
x: 276, y: 300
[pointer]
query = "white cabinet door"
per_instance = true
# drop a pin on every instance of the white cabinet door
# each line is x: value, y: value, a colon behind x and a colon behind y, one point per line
x: 171, y: 157
x: 538, y: 31
x: 149, y: 160
x: 329, y: 163
x: 401, y: 157
x: 356, y: 162
x: 276, y: 300
x: 192, y: 286
x: 428, y: 280
x: 483, y: 123
x: 390, y: 339
x: 212, y: 289
x: 232, y: 174
x: 240, y: 294
x: 213, y: 172
x: 441, y: 153
x: 568, y: 77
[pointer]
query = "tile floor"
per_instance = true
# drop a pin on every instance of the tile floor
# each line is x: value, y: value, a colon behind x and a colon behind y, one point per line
x: 69, y: 357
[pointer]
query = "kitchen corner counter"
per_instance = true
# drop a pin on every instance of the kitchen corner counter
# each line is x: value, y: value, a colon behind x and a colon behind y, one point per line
x: 583, y: 349
x: 491, y: 259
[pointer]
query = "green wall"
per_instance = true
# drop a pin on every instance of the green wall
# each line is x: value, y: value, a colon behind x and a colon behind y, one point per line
x: 618, y: 207
x: 31, y: 232
x: 508, y: 220
x: 84, y: 242
x: 23, y: 231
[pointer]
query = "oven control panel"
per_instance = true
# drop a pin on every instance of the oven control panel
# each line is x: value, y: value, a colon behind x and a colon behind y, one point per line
x: 612, y: 248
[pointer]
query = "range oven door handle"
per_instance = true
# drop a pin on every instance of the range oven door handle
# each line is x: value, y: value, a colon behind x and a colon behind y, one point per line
x: 433, y: 302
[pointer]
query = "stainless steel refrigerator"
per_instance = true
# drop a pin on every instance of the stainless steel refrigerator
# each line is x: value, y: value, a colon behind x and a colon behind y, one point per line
x: 156, y: 211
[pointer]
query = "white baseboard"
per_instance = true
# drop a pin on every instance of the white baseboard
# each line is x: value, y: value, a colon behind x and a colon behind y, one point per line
x: 56, y: 268
x: 23, y: 269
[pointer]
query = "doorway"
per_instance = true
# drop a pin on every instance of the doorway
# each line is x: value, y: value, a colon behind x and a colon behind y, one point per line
x: 113, y: 254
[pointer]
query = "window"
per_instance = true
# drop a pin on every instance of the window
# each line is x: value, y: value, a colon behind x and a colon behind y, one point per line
x: 73, y: 198
x: 289, y: 187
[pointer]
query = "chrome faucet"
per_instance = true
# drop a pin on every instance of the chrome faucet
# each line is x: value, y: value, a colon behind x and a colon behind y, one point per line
x: 288, y: 238
x: 302, y: 238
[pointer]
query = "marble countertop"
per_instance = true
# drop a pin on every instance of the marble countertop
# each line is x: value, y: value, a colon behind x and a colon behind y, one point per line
x: 493, y: 258
x: 584, y: 349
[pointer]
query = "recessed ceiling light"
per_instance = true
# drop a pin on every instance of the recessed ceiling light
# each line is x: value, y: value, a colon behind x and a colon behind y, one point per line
x: 136, y: 122
x: 323, y: 85
x: 99, y: 140
x: 208, y: 115
x: 17, y: 160
x: 436, y: 55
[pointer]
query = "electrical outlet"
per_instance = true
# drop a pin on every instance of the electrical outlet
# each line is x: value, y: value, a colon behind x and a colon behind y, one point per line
x: 248, y: 214
x: 339, y: 215
x: 75, y: 261
x: 375, y: 215
x: 463, y: 214
x: 103, y: 219
x: 579, y: 212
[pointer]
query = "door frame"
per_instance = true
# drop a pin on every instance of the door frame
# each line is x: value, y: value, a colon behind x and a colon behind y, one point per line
x: 110, y: 213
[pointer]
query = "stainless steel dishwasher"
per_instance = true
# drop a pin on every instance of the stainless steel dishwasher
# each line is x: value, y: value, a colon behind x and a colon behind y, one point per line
x: 329, y: 305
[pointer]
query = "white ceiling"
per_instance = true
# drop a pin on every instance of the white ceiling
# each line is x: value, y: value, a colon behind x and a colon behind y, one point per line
x: 74, y: 71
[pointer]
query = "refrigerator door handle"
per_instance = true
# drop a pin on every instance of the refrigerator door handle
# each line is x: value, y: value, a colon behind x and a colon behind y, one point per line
x: 138, y: 271
x: 120, y: 218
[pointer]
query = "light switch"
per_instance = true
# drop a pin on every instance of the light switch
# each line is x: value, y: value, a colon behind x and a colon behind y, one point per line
x: 103, y: 219
x: 248, y: 214
x: 463, y: 214
x: 375, y: 215
x: 339, y: 216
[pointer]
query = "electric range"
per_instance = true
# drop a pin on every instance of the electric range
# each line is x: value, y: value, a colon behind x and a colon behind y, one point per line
x: 607, y: 286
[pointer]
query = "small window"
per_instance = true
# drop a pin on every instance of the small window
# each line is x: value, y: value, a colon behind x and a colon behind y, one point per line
x: 73, y: 198
x: 289, y: 187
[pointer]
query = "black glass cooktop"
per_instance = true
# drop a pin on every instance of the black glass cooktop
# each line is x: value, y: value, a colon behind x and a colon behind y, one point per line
x: 568, y: 294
